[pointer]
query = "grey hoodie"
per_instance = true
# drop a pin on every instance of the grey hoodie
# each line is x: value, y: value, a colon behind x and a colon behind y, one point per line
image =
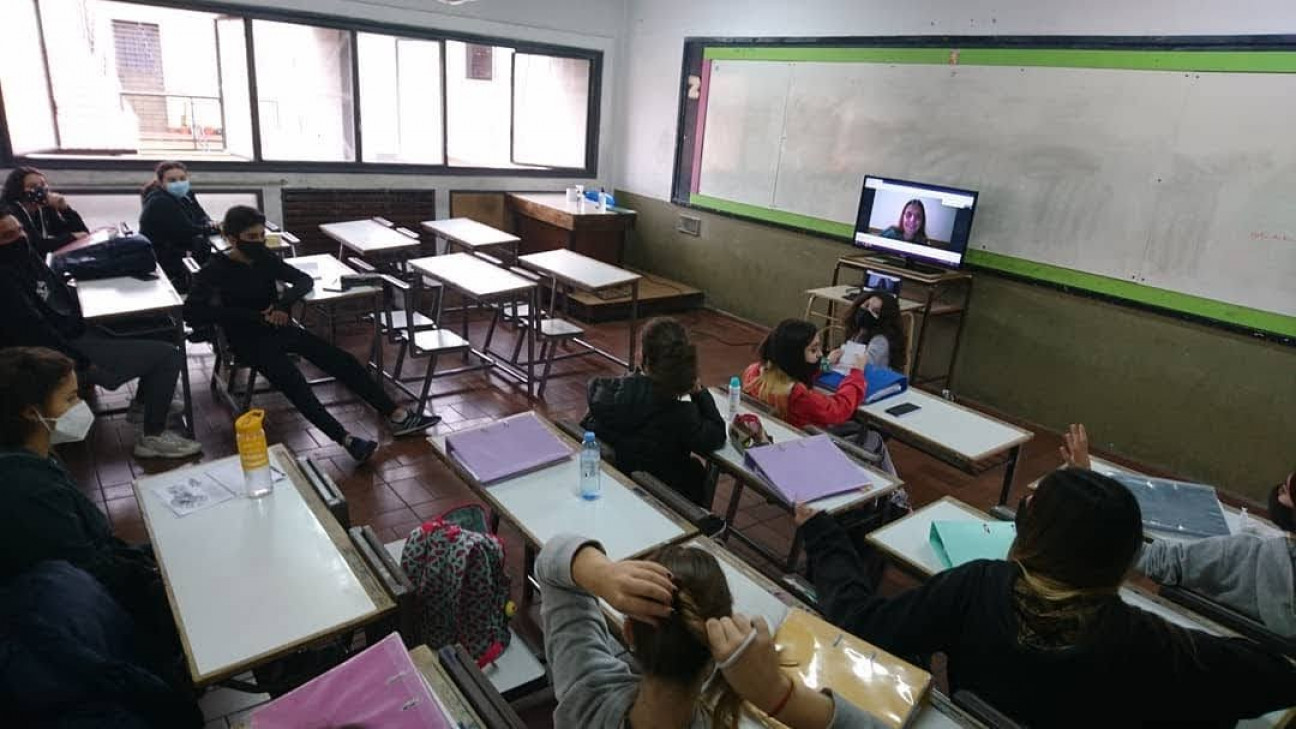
x: 1252, y: 574
x: 594, y: 686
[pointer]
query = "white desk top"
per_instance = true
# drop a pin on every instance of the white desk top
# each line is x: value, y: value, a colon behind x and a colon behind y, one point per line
x: 107, y: 298
x: 249, y: 578
x: 841, y: 295
x: 559, y: 201
x: 468, y: 232
x: 327, y: 272
x: 367, y: 236
x: 547, y: 502
x: 471, y: 275
x: 577, y: 270
x: 729, y: 457
x: 906, y: 539
x: 968, y: 434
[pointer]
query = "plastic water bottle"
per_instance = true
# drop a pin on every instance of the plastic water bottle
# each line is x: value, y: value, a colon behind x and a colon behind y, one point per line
x: 590, y: 469
x: 253, y: 453
x: 735, y: 397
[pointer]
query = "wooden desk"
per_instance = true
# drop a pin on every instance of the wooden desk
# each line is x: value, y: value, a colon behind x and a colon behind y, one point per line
x: 482, y: 281
x: 729, y: 460
x: 575, y: 271
x: 545, y: 503
x: 471, y: 235
x: 107, y: 300
x: 251, y: 580
x: 546, y: 221
x: 957, y: 435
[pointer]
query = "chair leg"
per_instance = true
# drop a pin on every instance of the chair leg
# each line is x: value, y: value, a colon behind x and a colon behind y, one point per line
x: 427, y: 382
x: 400, y: 360
x: 250, y: 391
x: 490, y: 331
x: 520, y: 335
x: 551, y: 347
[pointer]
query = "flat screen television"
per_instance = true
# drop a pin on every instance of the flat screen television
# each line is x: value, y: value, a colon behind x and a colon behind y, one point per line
x: 923, y: 224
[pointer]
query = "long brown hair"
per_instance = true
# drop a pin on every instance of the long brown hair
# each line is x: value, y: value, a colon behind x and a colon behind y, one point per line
x: 158, y: 172
x: 921, y: 235
x: 677, y: 650
x: 861, y: 327
x: 28, y: 376
x: 669, y: 356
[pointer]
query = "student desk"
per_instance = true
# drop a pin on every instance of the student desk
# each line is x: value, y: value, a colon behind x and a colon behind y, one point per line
x: 470, y: 235
x: 729, y: 460
x: 546, y: 221
x: 479, y: 280
x: 370, y: 239
x: 952, y: 433
x: 108, y: 300
x: 327, y: 272
x: 251, y: 580
x: 572, y: 270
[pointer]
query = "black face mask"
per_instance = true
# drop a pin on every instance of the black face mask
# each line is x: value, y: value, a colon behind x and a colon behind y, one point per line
x: 37, y: 195
x: 253, y: 249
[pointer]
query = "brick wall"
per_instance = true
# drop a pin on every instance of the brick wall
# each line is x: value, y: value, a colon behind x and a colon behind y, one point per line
x: 305, y: 209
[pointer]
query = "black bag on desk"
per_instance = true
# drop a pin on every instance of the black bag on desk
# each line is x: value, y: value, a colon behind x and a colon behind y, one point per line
x: 127, y: 255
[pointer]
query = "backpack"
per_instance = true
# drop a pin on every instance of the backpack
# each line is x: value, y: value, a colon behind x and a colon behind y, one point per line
x: 127, y: 255
x: 457, y: 569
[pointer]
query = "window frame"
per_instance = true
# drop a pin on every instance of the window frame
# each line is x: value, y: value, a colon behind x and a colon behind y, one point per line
x: 352, y: 26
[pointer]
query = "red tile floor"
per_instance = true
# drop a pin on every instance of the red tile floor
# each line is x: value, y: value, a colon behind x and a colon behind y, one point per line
x: 405, y: 484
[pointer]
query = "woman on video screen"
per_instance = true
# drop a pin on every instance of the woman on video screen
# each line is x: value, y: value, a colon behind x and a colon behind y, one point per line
x: 912, y: 225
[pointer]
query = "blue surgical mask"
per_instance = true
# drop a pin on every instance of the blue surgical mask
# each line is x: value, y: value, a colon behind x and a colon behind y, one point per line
x: 179, y: 188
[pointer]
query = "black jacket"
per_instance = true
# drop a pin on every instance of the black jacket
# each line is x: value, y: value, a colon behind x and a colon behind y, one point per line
x: 49, y: 229
x: 654, y: 433
x: 232, y: 295
x: 1132, y: 667
x: 176, y: 225
x: 39, y: 309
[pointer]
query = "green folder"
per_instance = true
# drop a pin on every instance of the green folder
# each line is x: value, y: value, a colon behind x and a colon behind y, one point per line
x: 960, y: 542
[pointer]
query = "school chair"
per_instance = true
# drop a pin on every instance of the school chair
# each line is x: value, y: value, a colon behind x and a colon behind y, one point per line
x: 327, y: 490
x: 710, y: 524
x: 393, y: 579
x: 227, y: 367
x: 494, y: 711
x: 1249, y: 628
x: 606, y: 451
x: 982, y: 711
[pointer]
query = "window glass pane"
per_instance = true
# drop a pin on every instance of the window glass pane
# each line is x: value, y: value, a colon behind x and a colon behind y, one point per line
x: 22, y: 77
x: 231, y: 42
x: 477, y: 110
x: 304, y: 99
x: 102, y: 209
x: 400, y: 99
x: 133, y: 79
x: 550, y: 108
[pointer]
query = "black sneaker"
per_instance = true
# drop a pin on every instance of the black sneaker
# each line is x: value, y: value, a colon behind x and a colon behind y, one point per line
x: 413, y: 423
x: 360, y: 449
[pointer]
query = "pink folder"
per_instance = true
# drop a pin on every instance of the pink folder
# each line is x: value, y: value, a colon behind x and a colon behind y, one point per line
x: 510, y: 447
x: 807, y: 469
x: 379, y: 687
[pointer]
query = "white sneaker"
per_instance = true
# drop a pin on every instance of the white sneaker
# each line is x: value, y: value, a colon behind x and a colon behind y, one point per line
x: 167, y: 444
x: 135, y: 415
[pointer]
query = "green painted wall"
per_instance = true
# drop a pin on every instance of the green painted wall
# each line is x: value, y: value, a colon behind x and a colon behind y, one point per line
x: 1148, y: 386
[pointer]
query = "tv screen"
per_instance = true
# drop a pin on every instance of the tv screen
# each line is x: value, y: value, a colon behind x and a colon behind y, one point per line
x: 924, y: 223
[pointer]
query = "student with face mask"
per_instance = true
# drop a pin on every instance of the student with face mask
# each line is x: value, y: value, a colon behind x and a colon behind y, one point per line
x: 46, y: 216
x: 174, y: 221
x: 238, y: 292
x: 41, y: 310
x: 874, y: 321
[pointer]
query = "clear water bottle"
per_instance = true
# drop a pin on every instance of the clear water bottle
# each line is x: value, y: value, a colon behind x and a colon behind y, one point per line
x: 735, y: 397
x: 253, y: 453
x: 590, y: 470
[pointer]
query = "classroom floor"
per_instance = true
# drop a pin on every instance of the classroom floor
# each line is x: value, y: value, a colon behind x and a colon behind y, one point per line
x: 405, y: 484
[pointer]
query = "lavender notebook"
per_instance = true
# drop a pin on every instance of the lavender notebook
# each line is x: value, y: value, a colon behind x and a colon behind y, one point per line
x: 379, y: 687
x: 807, y: 469
x: 510, y: 447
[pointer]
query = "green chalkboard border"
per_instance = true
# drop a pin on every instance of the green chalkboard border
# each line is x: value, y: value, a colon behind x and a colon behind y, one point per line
x: 1247, y: 54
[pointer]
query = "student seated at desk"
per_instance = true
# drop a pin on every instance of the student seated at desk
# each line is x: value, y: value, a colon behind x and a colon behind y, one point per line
x: 46, y: 216
x: 41, y: 310
x: 874, y: 321
x: 1252, y: 574
x: 679, y: 625
x: 1045, y: 637
x: 643, y: 417
x: 45, y: 516
x: 238, y: 292
x: 174, y: 221
x: 784, y: 379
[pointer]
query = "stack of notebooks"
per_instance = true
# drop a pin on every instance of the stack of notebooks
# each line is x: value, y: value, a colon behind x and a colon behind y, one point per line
x: 807, y: 469
x: 1176, y: 507
x: 960, y: 542
x: 510, y: 447
x: 821, y: 655
x: 379, y: 687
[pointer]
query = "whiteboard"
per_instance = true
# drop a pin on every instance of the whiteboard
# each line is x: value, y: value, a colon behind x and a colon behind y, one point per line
x: 1172, y: 180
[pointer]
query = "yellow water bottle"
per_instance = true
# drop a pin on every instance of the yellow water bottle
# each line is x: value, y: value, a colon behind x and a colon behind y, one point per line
x: 253, y: 453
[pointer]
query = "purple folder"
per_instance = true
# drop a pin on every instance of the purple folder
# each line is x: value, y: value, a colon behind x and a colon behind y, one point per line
x: 807, y: 469
x: 379, y: 687
x: 510, y: 447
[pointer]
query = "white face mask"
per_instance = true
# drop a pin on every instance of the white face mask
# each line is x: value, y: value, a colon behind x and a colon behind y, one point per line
x: 71, y: 426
